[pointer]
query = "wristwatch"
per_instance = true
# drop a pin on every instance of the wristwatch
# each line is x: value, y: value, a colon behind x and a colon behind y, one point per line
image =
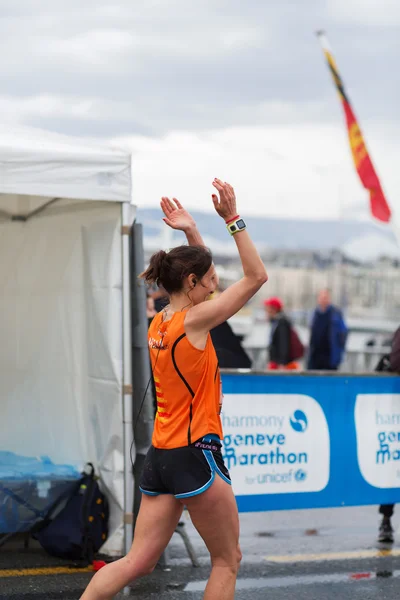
x: 236, y: 225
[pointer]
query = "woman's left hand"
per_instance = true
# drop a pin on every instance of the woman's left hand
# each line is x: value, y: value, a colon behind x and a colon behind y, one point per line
x: 175, y: 215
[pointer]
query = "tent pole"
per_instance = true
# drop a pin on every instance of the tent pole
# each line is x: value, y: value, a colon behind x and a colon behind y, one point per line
x: 127, y: 376
x: 6, y: 215
x: 41, y: 208
x: 143, y: 401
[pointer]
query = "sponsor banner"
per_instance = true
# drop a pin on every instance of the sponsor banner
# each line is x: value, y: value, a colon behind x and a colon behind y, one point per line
x: 308, y: 441
x: 273, y: 448
x: 377, y: 419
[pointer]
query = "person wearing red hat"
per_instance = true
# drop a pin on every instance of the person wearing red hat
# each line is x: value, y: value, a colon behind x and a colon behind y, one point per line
x: 280, y: 344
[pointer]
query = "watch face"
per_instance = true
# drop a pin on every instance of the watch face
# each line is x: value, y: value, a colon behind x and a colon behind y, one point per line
x: 240, y: 224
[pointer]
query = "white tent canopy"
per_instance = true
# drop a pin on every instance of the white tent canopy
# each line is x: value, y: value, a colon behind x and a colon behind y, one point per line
x: 37, y: 166
x: 65, y: 357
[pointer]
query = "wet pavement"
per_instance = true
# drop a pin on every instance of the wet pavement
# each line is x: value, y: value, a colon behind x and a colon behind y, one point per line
x: 321, y: 554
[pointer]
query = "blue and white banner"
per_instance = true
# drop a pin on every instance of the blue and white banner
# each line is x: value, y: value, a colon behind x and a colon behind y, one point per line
x: 312, y: 441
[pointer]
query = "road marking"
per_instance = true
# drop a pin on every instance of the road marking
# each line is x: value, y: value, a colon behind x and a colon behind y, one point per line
x: 291, y: 558
x: 43, y: 571
x: 292, y: 580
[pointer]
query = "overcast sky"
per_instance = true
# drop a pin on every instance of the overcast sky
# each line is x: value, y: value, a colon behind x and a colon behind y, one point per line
x: 225, y: 88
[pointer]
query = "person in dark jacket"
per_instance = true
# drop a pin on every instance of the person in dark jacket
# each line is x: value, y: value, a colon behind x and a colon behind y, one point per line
x: 230, y: 352
x: 390, y: 363
x: 280, y: 336
x: 228, y: 346
x: 159, y: 296
x: 328, y: 335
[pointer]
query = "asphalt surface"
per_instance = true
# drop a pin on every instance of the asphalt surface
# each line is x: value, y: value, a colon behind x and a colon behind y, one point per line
x: 321, y: 554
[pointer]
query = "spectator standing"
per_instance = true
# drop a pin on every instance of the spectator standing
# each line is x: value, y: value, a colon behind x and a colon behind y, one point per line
x: 150, y: 309
x: 281, y: 355
x: 328, y: 335
x: 159, y: 296
x: 228, y: 347
x: 389, y: 363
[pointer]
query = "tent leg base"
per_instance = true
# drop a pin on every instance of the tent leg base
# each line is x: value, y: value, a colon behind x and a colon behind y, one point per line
x: 165, y: 558
x: 180, y: 530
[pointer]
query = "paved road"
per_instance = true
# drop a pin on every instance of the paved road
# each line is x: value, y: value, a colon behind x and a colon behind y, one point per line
x: 321, y: 554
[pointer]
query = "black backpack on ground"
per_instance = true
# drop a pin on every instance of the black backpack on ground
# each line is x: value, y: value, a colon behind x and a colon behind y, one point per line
x: 77, y: 530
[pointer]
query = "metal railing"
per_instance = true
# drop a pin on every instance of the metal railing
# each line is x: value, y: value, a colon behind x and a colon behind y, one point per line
x: 360, y: 361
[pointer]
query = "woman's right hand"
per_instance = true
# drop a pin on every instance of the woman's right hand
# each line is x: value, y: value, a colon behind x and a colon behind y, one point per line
x: 226, y: 204
x: 176, y: 216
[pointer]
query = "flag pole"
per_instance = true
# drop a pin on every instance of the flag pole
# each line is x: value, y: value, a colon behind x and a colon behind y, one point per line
x: 378, y: 204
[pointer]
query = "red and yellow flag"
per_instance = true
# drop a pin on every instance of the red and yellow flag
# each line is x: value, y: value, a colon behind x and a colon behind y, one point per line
x: 362, y: 161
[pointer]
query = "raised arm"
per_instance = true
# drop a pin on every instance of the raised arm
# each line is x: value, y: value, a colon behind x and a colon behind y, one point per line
x: 179, y: 218
x: 204, y: 317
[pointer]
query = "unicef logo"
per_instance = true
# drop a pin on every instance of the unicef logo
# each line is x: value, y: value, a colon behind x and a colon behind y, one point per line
x: 300, y: 475
x: 299, y: 421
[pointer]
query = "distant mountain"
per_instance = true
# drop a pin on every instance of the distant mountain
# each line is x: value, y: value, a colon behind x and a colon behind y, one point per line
x: 279, y: 234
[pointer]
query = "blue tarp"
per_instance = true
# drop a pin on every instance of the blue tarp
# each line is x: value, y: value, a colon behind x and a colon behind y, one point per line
x: 13, y: 466
x: 28, y: 488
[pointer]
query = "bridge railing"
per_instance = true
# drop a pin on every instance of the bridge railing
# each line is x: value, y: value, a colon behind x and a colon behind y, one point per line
x: 360, y: 361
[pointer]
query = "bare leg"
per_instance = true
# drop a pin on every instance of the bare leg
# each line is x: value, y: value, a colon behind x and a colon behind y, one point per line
x: 157, y: 519
x: 215, y: 516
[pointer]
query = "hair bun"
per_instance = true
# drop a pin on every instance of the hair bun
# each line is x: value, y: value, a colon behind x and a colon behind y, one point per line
x: 154, y: 272
x: 169, y: 269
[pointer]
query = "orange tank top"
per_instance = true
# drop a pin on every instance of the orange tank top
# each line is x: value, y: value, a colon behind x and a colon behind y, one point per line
x: 188, y: 385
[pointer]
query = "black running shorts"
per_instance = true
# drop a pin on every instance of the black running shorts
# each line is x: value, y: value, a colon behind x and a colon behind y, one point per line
x: 183, y: 472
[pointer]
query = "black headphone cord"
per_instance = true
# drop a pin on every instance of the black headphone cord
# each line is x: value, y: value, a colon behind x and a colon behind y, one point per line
x: 150, y: 380
x: 142, y: 403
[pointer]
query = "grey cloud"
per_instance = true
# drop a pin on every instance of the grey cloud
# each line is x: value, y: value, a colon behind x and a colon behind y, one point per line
x: 76, y: 127
x: 192, y: 65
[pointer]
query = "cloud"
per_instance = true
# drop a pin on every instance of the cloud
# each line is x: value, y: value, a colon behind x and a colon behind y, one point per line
x: 385, y: 13
x: 303, y: 171
x: 97, y: 48
x: 141, y: 114
x: 200, y: 65
x: 87, y: 34
x: 46, y: 107
x: 212, y: 87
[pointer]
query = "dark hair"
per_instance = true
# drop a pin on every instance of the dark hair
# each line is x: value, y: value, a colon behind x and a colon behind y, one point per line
x: 169, y: 269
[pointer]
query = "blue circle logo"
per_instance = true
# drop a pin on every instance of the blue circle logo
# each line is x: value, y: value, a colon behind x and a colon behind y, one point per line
x: 299, y: 421
x: 300, y: 475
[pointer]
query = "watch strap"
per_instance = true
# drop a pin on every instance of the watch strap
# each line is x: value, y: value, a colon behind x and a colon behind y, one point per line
x: 236, y: 225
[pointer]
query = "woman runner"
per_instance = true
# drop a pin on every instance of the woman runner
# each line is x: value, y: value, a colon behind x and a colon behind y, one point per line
x: 184, y: 466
